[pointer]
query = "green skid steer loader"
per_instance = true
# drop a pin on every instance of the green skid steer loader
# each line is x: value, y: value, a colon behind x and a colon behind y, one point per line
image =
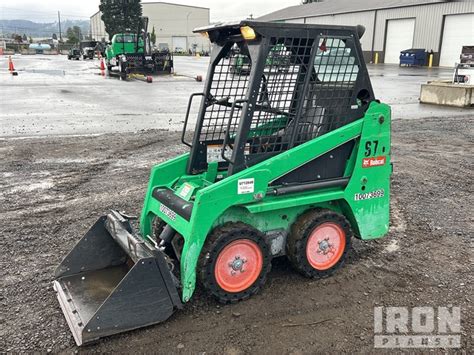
x: 292, y: 159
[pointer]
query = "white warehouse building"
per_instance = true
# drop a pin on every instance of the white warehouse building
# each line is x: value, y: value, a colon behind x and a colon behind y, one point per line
x: 441, y: 26
x: 173, y: 25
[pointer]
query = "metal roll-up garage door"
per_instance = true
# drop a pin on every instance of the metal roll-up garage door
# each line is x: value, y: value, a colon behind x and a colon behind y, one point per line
x: 399, y: 37
x: 458, y: 31
x: 179, y: 43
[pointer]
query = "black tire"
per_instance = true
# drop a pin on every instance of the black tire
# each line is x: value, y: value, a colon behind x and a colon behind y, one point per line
x: 215, y: 243
x: 300, y: 233
x: 123, y: 69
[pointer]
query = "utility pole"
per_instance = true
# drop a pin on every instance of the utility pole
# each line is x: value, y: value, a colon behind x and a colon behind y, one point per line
x: 187, y: 25
x: 59, y: 23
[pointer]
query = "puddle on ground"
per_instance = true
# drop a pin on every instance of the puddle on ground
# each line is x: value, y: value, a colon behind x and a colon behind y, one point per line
x: 46, y: 71
x: 44, y: 185
x: 411, y: 75
x: 395, y: 75
x: 392, y: 246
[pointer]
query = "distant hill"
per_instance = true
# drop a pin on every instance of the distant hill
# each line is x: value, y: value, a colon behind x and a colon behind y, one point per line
x: 38, y: 29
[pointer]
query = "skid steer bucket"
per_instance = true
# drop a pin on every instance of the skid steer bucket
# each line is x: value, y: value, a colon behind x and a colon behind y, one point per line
x: 112, y: 281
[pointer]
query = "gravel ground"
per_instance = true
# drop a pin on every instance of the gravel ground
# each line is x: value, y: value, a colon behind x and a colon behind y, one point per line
x: 54, y: 188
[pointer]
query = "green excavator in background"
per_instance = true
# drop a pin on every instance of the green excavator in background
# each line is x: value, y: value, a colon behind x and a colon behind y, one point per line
x: 132, y: 53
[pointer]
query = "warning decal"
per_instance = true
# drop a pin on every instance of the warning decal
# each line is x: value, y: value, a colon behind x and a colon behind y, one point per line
x: 185, y: 190
x: 245, y: 186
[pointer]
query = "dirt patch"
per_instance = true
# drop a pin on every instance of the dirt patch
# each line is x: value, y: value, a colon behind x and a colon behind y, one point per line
x: 53, y: 189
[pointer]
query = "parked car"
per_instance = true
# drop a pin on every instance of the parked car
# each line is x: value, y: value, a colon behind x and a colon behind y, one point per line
x: 162, y: 47
x: 467, y: 54
x: 74, y: 53
x: 88, y: 49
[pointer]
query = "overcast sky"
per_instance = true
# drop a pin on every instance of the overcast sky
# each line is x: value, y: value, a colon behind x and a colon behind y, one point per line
x: 46, y: 10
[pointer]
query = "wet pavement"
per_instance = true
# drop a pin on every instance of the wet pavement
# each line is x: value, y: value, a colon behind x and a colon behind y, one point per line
x: 56, y: 184
x: 55, y: 96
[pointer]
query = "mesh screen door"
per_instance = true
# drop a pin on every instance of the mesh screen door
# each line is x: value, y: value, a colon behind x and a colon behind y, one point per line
x: 307, y: 89
x: 306, y: 86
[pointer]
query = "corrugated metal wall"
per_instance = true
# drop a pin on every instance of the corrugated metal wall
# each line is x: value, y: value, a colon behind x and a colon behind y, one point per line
x: 428, y: 22
x: 98, y: 27
x: 169, y: 20
x: 353, y: 19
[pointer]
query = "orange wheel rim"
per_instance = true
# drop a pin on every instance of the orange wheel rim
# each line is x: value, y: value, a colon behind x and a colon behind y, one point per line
x: 325, y: 246
x: 238, y: 265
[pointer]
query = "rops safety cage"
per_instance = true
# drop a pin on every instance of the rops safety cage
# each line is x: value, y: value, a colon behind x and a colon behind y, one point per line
x: 275, y: 86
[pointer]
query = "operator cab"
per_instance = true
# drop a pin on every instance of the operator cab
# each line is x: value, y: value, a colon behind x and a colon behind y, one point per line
x: 124, y: 38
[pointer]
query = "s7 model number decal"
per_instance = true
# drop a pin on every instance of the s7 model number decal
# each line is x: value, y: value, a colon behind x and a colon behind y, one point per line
x: 371, y: 148
x: 369, y: 195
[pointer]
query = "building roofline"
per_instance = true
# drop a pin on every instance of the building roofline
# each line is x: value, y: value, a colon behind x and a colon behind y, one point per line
x: 339, y: 12
x: 95, y: 13
x: 170, y: 3
x: 166, y: 3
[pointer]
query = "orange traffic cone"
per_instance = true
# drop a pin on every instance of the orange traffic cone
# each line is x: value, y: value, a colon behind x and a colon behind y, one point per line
x: 11, y: 67
x: 102, y: 66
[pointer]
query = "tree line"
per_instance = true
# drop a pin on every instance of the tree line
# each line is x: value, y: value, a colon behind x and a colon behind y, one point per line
x: 73, y: 36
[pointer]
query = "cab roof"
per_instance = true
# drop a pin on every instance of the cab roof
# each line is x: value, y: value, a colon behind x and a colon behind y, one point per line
x: 224, y: 30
